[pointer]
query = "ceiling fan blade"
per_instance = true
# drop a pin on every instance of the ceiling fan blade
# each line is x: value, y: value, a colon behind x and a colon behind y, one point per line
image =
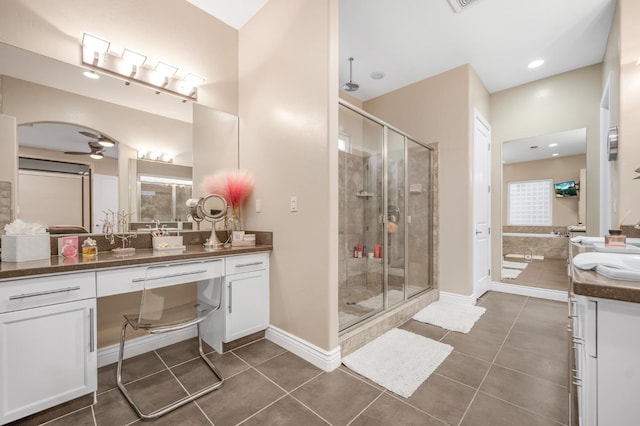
x: 77, y: 153
x: 89, y: 134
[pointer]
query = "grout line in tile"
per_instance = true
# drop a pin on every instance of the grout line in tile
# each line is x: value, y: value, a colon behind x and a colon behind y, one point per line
x: 310, y: 409
x: 523, y: 408
x: 529, y: 375
x: 405, y: 401
x: 492, y: 362
x: 66, y: 415
x: 365, y: 408
x: 262, y: 409
x: 202, y: 411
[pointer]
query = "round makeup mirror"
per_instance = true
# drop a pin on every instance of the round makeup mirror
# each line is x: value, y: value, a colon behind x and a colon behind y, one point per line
x: 212, y: 208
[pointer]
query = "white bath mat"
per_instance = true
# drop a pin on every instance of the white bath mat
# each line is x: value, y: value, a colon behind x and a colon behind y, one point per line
x: 451, y: 316
x: 398, y: 360
x: 514, y: 265
x: 510, y: 274
x: 375, y: 302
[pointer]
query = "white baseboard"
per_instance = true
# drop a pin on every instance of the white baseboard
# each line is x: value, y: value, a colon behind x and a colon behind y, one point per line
x: 457, y: 298
x: 325, y: 360
x: 541, y: 293
x: 140, y: 345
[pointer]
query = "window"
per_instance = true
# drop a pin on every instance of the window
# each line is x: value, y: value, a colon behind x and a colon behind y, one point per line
x: 529, y: 202
x: 344, y: 143
x: 163, y: 198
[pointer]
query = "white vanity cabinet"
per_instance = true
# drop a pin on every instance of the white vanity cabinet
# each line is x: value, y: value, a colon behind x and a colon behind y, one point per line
x: 47, y: 342
x: 245, y: 301
x: 607, y: 344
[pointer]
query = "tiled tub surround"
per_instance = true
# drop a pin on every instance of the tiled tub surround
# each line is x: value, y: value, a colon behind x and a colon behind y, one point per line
x: 547, y: 241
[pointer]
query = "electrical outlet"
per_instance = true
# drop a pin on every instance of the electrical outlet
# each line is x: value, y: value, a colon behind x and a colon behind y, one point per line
x: 258, y: 206
x: 294, y: 203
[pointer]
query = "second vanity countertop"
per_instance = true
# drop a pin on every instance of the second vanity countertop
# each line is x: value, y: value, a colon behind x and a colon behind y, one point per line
x: 591, y: 283
x: 59, y: 264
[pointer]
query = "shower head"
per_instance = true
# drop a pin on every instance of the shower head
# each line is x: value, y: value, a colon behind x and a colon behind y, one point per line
x: 350, y: 86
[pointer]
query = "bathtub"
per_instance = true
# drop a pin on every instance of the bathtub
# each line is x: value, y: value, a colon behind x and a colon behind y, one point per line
x: 526, y: 234
x: 547, y: 245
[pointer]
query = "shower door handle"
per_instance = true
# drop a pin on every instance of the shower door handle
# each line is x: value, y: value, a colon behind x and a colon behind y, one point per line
x: 478, y: 232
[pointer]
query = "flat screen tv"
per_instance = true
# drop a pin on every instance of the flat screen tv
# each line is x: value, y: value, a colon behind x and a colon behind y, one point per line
x: 566, y: 189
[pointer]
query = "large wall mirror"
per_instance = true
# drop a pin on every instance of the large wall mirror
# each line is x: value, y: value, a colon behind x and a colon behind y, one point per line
x: 544, y: 201
x: 58, y: 111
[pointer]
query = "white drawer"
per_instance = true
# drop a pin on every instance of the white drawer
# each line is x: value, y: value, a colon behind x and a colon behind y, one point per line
x: 28, y: 293
x: 247, y: 263
x: 126, y: 280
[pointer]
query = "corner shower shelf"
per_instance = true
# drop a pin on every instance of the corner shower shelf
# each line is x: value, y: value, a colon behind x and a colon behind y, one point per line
x: 364, y: 194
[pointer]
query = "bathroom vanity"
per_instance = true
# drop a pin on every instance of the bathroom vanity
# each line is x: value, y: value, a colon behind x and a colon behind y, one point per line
x: 605, y: 345
x: 48, y: 350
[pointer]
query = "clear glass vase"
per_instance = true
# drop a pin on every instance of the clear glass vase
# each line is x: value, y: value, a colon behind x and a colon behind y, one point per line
x: 234, y: 220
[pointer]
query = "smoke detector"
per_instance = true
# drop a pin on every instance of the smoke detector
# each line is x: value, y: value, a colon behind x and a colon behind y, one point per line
x: 458, y: 5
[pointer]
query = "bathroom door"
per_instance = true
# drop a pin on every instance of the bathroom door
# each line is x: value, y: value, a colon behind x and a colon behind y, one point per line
x: 481, y: 206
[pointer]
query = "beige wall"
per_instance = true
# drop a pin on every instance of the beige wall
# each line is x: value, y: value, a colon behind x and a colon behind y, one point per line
x: 353, y: 101
x: 563, y: 102
x: 288, y: 141
x: 565, y: 210
x: 174, y: 31
x: 629, y: 133
x: 434, y: 110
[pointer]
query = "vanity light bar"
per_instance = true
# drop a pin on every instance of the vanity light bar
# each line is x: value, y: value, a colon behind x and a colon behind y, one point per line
x: 155, y: 156
x: 132, y: 67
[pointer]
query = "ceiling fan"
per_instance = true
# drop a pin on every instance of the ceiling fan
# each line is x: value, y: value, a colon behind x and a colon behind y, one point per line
x: 96, y: 147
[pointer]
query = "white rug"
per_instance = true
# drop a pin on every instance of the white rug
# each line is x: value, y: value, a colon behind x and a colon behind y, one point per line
x: 398, y: 360
x: 514, y: 265
x: 450, y: 316
x: 510, y: 274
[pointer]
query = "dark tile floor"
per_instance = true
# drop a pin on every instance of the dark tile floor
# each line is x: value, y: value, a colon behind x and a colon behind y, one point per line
x: 548, y: 273
x: 511, y: 369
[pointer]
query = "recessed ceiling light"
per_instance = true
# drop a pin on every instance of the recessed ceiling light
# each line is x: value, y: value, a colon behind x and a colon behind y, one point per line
x: 377, y: 75
x: 90, y: 74
x: 551, y: 145
x: 535, y: 64
x: 555, y: 154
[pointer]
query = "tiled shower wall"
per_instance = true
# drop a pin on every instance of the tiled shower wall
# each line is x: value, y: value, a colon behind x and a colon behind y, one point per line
x: 419, y: 208
x: 358, y: 219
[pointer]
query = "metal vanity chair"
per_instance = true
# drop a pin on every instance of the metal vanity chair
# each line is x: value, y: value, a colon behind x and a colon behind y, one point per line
x: 158, y: 314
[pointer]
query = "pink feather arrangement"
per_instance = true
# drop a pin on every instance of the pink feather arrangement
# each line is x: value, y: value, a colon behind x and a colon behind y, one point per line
x: 235, y: 186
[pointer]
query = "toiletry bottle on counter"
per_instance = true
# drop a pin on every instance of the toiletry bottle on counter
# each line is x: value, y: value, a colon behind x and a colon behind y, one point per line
x: 89, y: 249
x: 615, y: 239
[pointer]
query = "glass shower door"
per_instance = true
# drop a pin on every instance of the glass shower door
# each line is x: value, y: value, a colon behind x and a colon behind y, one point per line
x: 395, y: 217
x: 419, y: 217
x: 360, y: 162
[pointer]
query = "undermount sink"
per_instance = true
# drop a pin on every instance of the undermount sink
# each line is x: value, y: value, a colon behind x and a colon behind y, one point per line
x: 617, y: 266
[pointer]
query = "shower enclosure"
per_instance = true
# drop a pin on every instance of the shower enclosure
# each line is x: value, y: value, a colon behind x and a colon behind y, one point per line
x: 385, y: 217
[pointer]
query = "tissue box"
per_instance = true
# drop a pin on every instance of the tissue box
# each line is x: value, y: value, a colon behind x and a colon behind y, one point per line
x: 23, y: 248
x: 167, y: 243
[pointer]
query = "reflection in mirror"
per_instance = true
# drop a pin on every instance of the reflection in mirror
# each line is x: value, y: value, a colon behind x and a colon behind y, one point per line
x: 70, y: 171
x: 163, y: 190
x: 214, y: 207
x: 535, y: 223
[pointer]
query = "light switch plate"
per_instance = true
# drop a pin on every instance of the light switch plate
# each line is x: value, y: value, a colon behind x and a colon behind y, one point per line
x: 258, y: 206
x: 294, y: 203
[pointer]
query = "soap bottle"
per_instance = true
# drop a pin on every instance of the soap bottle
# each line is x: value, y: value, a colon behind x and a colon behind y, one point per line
x: 89, y: 249
x: 615, y: 239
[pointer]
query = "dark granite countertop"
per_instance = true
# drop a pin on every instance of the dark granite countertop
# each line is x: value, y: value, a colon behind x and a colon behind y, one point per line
x: 58, y: 264
x: 143, y: 255
x: 591, y: 283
